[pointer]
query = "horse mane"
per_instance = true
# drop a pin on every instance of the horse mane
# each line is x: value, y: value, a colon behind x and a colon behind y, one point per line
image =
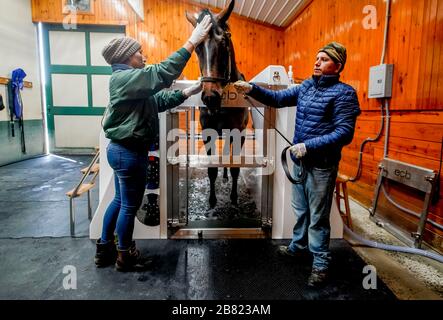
x: 225, y: 28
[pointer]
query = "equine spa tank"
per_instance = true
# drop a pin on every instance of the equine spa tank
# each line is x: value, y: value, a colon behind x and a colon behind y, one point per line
x: 263, y: 208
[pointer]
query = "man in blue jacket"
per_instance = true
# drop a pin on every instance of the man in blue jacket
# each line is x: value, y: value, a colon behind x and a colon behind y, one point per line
x: 325, y: 121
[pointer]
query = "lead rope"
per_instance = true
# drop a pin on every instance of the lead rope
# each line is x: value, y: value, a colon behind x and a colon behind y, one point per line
x: 301, y: 176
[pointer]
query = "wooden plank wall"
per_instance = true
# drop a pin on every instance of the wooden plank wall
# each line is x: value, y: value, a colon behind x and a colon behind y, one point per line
x: 105, y: 12
x: 159, y: 34
x: 415, y: 48
x: 165, y: 29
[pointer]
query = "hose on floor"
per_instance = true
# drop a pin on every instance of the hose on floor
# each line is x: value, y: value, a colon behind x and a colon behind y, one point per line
x: 369, y: 243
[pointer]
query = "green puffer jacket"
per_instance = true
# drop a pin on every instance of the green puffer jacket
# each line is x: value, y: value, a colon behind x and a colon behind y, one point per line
x: 137, y: 96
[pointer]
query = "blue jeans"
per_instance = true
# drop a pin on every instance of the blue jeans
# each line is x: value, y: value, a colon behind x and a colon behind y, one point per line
x: 311, y: 202
x: 130, y: 169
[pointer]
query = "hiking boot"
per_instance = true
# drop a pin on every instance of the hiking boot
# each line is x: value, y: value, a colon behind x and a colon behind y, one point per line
x: 318, y: 278
x: 106, y: 254
x: 285, y: 252
x: 131, y: 260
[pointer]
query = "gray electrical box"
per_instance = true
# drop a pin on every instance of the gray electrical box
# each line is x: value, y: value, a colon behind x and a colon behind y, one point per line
x: 380, y: 81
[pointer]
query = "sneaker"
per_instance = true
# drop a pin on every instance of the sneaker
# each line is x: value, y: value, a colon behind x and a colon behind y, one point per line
x: 318, y: 278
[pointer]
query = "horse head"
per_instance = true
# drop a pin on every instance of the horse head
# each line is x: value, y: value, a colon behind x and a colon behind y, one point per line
x: 216, y: 56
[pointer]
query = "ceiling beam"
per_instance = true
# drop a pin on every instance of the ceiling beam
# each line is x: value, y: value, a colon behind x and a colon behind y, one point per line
x: 242, y: 6
x: 260, y: 10
x: 280, y: 11
x: 291, y: 12
x: 250, y: 10
x: 269, y: 12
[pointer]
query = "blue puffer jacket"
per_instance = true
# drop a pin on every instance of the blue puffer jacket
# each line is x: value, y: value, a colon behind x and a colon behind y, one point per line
x: 327, y: 110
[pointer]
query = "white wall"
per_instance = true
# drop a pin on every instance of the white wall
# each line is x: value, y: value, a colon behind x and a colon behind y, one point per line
x: 19, y: 49
x: 77, y: 131
x: 69, y: 48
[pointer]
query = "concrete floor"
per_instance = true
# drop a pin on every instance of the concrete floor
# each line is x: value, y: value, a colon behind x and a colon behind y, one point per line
x: 408, y: 276
x: 35, y: 247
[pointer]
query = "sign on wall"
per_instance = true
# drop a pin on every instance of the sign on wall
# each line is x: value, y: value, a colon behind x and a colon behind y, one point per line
x: 79, y: 6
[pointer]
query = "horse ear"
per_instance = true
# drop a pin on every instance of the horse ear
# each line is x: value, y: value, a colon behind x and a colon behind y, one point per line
x: 191, y: 19
x: 224, y: 15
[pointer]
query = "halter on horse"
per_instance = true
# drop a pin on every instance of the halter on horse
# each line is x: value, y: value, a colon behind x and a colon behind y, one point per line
x: 218, y: 68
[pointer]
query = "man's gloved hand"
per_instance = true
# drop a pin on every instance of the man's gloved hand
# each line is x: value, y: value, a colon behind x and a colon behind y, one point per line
x: 201, y: 31
x: 243, y: 87
x: 298, y: 150
x: 194, y: 89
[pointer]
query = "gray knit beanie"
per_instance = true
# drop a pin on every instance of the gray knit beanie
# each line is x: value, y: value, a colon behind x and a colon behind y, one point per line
x: 337, y: 52
x: 120, y: 49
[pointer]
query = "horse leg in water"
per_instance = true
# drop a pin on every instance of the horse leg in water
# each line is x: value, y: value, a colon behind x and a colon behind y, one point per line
x: 235, y: 173
x: 225, y: 174
x: 212, y: 173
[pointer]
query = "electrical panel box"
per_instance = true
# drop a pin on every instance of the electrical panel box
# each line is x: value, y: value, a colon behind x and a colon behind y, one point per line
x: 380, y: 81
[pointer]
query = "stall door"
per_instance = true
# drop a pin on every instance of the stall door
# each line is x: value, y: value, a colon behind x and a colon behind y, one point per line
x: 77, y: 80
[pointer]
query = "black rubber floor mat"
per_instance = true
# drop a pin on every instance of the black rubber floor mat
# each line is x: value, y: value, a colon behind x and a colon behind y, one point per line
x: 182, y: 270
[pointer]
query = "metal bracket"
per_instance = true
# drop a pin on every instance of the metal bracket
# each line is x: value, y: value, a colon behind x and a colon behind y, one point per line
x: 415, y: 177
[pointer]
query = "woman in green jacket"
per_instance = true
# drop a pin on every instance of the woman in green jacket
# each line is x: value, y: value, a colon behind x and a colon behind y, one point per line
x: 131, y: 123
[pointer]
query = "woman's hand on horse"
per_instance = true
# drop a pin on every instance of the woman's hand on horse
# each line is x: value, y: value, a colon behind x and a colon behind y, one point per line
x: 194, y: 89
x: 201, y: 31
x: 243, y: 87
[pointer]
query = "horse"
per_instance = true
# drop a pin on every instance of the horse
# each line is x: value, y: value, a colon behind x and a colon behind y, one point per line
x: 218, y: 68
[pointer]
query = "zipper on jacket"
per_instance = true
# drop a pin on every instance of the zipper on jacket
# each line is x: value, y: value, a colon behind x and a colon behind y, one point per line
x: 304, y: 111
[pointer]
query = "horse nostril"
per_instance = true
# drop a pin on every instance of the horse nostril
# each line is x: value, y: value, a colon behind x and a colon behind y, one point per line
x: 210, y: 95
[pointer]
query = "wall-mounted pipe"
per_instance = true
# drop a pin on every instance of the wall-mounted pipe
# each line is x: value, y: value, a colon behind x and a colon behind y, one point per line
x: 385, y: 38
x: 387, y: 127
x: 362, y: 146
x: 382, y: 61
x: 386, y: 103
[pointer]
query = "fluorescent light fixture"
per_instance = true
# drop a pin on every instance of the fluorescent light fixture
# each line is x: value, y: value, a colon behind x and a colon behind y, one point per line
x: 120, y: 8
x: 43, y: 81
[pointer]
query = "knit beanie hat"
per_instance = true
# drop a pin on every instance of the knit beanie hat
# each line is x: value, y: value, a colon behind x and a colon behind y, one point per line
x: 120, y: 49
x: 337, y: 52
